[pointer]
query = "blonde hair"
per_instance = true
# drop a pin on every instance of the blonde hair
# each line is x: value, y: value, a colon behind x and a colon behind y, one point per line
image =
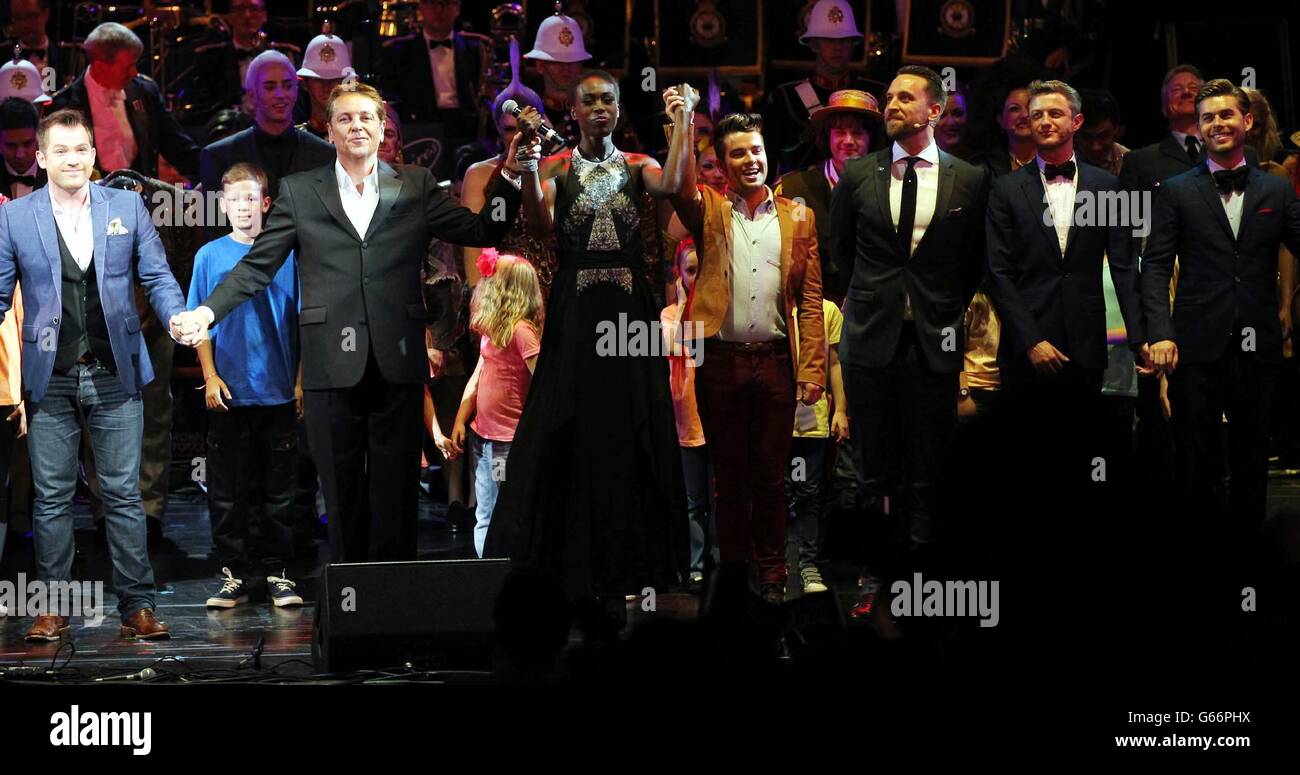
x: 511, y: 294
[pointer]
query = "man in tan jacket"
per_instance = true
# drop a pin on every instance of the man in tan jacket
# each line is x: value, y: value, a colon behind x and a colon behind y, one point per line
x: 759, y: 268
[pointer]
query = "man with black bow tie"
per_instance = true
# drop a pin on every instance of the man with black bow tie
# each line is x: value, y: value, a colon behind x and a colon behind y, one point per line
x: 1045, y: 277
x: 433, y: 75
x: 30, y: 28
x: 1225, y: 222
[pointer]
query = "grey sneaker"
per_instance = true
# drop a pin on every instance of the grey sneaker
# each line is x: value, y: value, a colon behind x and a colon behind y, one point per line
x: 233, y: 592
x: 281, y: 591
x: 812, y: 580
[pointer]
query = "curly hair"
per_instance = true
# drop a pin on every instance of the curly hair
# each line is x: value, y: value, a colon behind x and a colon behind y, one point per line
x: 510, y: 295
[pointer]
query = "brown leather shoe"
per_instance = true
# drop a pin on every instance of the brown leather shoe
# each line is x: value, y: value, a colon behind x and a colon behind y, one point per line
x: 47, y: 627
x: 143, y: 625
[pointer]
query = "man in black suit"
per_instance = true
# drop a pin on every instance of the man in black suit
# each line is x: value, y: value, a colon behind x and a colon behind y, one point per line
x: 131, y: 124
x: 1146, y: 168
x: 433, y: 76
x: 1225, y: 222
x: 909, y: 233
x: 359, y: 229
x: 1046, y: 254
x: 274, y: 144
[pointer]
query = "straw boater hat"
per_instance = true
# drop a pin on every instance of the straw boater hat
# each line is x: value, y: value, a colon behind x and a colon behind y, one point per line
x: 851, y: 101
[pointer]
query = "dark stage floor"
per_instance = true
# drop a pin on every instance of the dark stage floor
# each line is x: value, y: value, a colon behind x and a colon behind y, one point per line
x: 206, y: 640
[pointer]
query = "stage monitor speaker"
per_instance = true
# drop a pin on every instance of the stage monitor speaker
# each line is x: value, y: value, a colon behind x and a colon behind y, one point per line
x: 435, y: 615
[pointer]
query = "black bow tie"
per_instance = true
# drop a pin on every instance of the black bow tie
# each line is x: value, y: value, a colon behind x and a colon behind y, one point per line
x: 26, y: 180
x: 1065, y: 170
x: 28, y: 53
x: 1231, y: 180
x: 433, y: 44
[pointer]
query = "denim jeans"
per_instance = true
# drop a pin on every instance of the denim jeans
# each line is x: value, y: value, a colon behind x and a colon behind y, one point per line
x: 804, y: 495
x: 115, y: 422
x: 699, y: 505
x: 486, y: 485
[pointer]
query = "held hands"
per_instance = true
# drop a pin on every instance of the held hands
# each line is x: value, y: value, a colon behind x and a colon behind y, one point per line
x: 457, y: 441
x: 1164, y: 356
x: 1046, y: 359
x: 189, y: 327
x: 1143, y: 361
x: 680, y: 102
x: 525, y: 148
x: 808, y: 394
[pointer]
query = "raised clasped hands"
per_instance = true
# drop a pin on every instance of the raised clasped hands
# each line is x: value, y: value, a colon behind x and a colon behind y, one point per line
x: 680, y: 101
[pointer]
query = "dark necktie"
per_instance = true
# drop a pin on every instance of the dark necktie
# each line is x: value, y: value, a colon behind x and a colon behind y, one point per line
x: 1066, y: 170
x: 907, y: 207
x: 1193, y: 148
x: 1231, y: 180
x: 436, y: 44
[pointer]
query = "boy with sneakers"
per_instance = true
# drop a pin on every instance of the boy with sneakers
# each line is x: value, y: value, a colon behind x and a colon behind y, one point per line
x: 250, y: 367
x: 813, y: 426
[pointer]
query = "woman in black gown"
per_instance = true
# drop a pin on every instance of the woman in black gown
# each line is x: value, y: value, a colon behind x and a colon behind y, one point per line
x: 593, y: 487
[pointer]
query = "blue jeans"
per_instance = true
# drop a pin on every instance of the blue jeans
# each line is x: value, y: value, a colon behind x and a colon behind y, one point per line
x: 486, y: 486
x: 698, y: 474
x: 115, y: 422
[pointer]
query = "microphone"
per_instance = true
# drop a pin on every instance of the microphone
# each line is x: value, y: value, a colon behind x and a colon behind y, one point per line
x: 548, y: 134
x: 143, y: 675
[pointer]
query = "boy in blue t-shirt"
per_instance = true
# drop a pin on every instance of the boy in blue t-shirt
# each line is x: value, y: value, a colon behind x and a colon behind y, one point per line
x: 250, y: 368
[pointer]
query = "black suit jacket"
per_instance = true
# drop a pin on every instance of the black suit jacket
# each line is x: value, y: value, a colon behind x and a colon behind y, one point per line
x: 940, y: 277
x: 220, y: 156
x: 155, y: 129
x: 408, y: 76
x: 1224, y: 283
x: 7, y: 180
x: 361, y: 293
x: 1041, y: 294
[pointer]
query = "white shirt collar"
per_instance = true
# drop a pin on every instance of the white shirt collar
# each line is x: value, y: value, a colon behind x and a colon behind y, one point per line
x: 451, y: 38
x: 1181, y: 137
x: 32, y: 170
x: 1215, y: 166
x: 768, y: 205
x: 930, y: 153
x: 58, y: 209
x: 345, y: 181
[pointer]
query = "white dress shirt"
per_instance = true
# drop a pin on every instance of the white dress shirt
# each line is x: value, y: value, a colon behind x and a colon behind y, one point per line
x: 442, y: 62
x: 927, y: 193
x: 1234, y: 201
x: 76, y: 228
x: 115, y: 146
x: 1060, y: 199
x: 359, y: 206
x: 755, y: 314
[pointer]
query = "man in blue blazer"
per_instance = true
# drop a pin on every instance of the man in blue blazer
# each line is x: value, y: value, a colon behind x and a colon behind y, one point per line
x: 1224, y: 221
x: 77, y: 249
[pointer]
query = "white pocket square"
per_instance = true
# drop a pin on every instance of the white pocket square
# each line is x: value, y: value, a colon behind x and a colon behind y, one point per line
x: 115, y: 227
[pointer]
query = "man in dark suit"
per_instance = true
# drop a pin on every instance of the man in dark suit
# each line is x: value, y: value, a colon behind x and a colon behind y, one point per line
x: 360, y: 230
x: 433, y: 76
x: 78, y: 249
x: 1045, y: 271
x: 30, y: 29
x: 20, y: 174
x: 1225, y: 222
x: 219, y: 65
x: 909, y: 235
x: 131, y: 123
x: 274, y: 144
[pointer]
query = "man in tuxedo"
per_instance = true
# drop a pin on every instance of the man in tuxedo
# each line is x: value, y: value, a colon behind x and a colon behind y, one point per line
x: 433, y: 76
x: 909, y: 235
x: 20, y: 174
x: 1046, y: 280
x: 273, y: 143
x: 128, y: 118
x: 1225, y: 221
x: 360, y: 229
x: 31, y: 25
x: 221, y: 63
x: 77, y: 249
